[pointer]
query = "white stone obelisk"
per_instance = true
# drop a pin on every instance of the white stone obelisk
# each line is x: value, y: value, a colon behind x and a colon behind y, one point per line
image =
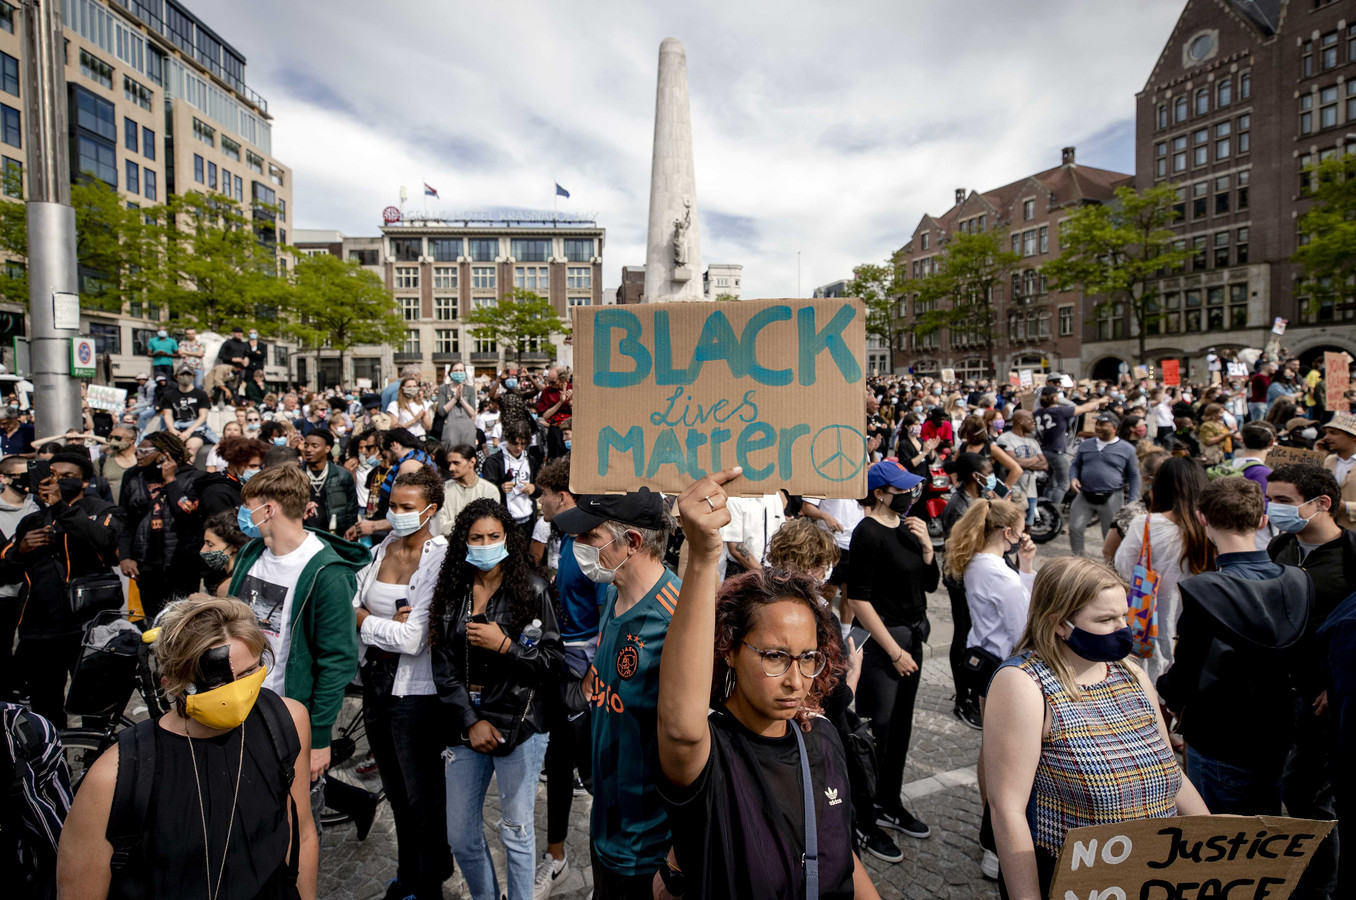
x: 673, y: 259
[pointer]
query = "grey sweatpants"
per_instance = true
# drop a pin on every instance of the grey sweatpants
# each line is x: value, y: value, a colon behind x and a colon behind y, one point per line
x: 1082, y: 514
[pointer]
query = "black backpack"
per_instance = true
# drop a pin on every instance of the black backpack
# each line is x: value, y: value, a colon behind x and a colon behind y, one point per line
x: 136, y: 780
x: 37, y: 797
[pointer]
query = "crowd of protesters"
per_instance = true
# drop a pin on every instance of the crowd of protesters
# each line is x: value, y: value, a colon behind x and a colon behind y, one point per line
x: 422, y: 540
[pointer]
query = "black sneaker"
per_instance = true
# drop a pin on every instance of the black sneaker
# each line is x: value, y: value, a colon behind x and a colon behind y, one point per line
x: 968, y: 712
x: 901, y: 820
x: 878, y: 844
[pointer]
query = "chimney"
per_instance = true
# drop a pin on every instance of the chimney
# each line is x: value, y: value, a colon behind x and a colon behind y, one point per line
x: 1068, y: 156
x: 960, y: 196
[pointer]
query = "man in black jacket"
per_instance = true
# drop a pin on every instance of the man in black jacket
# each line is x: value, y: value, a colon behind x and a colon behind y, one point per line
x: 513, y: 469
x: 333, y: 495
x: 1240, y: 638
x: 72, y: 536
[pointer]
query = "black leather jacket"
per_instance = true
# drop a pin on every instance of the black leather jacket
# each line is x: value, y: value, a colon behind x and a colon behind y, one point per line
x: 512, y: 681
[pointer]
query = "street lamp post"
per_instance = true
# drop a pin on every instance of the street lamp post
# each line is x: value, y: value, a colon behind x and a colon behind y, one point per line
x: 53, y: 298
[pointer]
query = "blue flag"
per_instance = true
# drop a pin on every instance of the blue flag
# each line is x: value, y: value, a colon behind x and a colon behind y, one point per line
x: 561, y: 192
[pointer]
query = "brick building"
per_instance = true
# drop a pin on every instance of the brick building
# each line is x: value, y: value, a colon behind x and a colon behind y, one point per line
x: 1038, y: 327
x: 1245, y: 95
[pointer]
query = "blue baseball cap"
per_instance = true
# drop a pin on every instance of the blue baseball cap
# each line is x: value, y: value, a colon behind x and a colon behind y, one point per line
x: 891, y: 473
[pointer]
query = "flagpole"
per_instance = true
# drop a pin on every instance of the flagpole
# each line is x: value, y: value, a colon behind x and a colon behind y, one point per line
x: 555, y: 204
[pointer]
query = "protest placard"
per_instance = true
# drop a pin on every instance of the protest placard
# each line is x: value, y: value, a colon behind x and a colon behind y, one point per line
x: 1187, y: 858
x: 668, y: 392
x: 1172, y: 372
x: 99, y: 396
x: 1285, y: 456
x: 1015, y: 378
x: 948, y: 375
x: 1238, y: 370
x: 1141, y: 371
x: 1026, y: 377
x: 1278, y: 325
x: 1337, y: 378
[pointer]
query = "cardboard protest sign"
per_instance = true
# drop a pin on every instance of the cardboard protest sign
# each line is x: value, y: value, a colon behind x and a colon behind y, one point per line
x: 99, y: 396
x: 668, y: 392
x: 1015, y: 378
x: 948, y: 375
x: 1285, y: 456
x: 1172, y: 372
x: 1141, y: 371
x: 1026, y: 378
x: 1187, y: 858
x: 1238, y: 370
x: 1337, y: 378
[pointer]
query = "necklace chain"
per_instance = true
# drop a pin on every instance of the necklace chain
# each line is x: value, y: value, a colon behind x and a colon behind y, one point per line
x: 202, y: 811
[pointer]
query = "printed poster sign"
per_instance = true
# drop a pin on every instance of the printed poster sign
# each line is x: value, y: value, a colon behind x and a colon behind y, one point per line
x: 1027, y: 378
x: 669, y: 392
x: 948, y: 375
x: 1141, y: 371
x: 1337, y: 378
x: 1015, y: 378
x: 112, y: 399
x: 1278, y: 325
x: 1172, y: 372
x: 1238, y: 370
x: 1190, y: 856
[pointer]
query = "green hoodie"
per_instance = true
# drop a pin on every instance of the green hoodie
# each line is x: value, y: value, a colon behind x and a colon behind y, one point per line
x: 324, y: 635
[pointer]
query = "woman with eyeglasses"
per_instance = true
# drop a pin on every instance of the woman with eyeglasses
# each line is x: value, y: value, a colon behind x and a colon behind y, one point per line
x: 758, y: 794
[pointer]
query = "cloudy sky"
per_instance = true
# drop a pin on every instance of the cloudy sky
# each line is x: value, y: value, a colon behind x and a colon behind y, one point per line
x: 827, y: 129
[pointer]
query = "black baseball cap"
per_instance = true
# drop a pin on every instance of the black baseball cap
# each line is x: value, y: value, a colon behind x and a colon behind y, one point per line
x: 640, y: 509
x: 1109, y: 417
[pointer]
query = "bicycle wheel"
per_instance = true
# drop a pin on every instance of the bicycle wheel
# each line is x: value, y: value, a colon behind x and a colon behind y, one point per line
x: 82, y: 747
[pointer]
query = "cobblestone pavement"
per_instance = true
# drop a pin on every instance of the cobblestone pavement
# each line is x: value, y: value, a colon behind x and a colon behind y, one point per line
x: 939, y: 788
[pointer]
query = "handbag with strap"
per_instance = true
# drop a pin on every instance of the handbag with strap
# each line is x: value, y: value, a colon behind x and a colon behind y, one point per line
x: 1143, y: 600
x: 89, y: 595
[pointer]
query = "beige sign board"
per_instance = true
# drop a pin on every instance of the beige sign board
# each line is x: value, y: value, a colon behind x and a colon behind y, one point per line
x: 1286, y: 456
x: 1337, y: 379
x: 1187, y: 858
x: 668, y: 392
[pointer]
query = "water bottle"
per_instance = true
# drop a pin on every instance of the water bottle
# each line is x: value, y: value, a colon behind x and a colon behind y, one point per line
x: 531, y: 634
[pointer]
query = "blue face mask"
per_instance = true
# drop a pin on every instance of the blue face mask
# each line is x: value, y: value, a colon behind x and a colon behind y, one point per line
x: 373, y: 461
x: 510, y: 383
x: 280, y: 442
x: 245, y: 519
x: 568, y: 443
x: 1100, y: 647
x: 458, y: 377
x: 1285, y: 517
x: 247, y: 474
x: 990, y: 482
x: 486, y: 556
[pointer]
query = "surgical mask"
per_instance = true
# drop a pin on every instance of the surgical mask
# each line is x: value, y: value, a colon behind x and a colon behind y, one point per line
x: 1309, y: 434
x: 568, y: 443
x: 410, y: 391
x: 486, y: 556
x: 254, y: 335
x: 245, y: 519
x: 915, y: 430
x: 71, y: 488
x: 1100, y: 647
x: 918, y: 410
x: 216, y: 560
x: 372, y: 461
x: 253, y: 426
x: 1285, y: 517
x: 589, y: 564
x: 458, y: 377
x: 280, y: 441
x: 937, y: 390
x: 228, y: 706
x: 990, y: 482
x: 247, y: 474
x: 162, y: 333
x: 510, y: 383
x: 403, y: 523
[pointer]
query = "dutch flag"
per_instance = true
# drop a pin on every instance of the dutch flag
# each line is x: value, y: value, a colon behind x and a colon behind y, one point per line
x: 430, y: 192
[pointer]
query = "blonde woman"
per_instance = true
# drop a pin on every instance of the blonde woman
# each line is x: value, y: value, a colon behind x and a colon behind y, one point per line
x: 1072, y: 729
x: 409, y: 410
x: 220, y: 798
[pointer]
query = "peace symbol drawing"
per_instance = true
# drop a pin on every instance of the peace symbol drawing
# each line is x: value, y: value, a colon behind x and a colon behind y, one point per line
x: 838, y: 452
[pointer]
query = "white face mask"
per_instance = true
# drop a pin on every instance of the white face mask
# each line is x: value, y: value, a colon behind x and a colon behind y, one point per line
x: 404, y: 523
x: 589, y: 564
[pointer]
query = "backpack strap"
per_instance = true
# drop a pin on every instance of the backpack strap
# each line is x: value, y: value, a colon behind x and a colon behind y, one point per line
x: 282, y: 734
x: 131, y: 797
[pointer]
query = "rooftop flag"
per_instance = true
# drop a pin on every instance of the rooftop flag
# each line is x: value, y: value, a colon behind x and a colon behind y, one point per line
x: 561, y: 192
x: 430, y: 192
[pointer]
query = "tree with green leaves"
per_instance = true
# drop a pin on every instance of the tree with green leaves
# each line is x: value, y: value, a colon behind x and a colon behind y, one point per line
x: 515, y: 319
x: 338, y: 305
x: 959, y: 295
x: 877, y: 285
x: 1118, y: 251
x: 1329, y: 254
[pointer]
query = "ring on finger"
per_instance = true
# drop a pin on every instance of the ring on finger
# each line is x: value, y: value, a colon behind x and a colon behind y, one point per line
x: 710, y: 504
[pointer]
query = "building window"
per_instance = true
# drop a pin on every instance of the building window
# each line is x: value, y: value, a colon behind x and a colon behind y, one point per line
x: 446, y: 340
x: 407, y: 249
x: 1045, y: 238
x: 1306, y: 119
x: 923, y: 241
x: 1179, y: 109
x: 255, y: 162
x: 9, y: 74
x: 1200, y: 198
x: 409, y: 309
x: 1111, y: 322
x: 1328, y: 51
x: 1224, y: 93
x: 444, y: 278
x: 1241, y: 248
x: 137, y: 93
x: 1221, y: 203
x: 1029, y: 243
x: 578, y: 301
x: 212, y: 175
x: 580, y: 278
x: 411, y: 344
x: 230, y: 148
x: 486, y: 345
x: 199, y: 169
x: 149, y: 184
x: 1066, y: 321
x: 532, y: 278
x: 239, y: 190
x: 1245, y: 86
x: 530, y: 250
x: 1028, y: 210
x: 982, y: 220
x: 1327, y: 112
x: 133, y: 173
x: 1244, y: 141
x: 1222, y: 248
x: 13, y: 177
x: 96, y: 70
x: 579, y: 249
x: 1305, y: 162
x: 1202, y: 101
x: 6, y: 17
x: 1161, y: 158
x: 1307, y: 59
x: 107, y: 337
x: 1198, y: 259
x: 96, y: 136
x: 444, y: 308
x: 444, y: 249
x: 484, y: 249
x: 130, y: 132
x: 482, y: 277
x: 406, y: 276
x: 1238, y: 306
x: 1179, y: 145
x: 1162, y: 116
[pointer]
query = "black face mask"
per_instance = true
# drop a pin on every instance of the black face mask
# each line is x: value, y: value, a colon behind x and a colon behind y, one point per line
x: 900, y: 504
x: 71, y: 489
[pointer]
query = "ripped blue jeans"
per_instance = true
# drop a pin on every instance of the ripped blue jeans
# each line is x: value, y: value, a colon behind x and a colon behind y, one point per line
x: 468, y: 778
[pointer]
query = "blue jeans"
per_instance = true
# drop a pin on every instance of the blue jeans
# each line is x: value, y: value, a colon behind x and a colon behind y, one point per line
x: 467, y: 775
x: 1031, y: 510
x: 1257, y: 412
x: 1233, y: 790
x: 1058, y: 485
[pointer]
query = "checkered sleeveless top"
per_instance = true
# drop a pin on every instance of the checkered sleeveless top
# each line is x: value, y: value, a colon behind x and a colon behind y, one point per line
x: 1104, y: 761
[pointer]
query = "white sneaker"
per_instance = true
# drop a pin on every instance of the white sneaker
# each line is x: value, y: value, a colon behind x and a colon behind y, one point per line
x: 549, y: 872
x: 989, y: 865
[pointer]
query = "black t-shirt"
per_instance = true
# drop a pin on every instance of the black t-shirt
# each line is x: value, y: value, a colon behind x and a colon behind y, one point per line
x: 897, y: 581
x: 739, y: 829
x: 321, y: 519
x: 1052, y: 427
x: 232, y: 349
x: 185, y: 404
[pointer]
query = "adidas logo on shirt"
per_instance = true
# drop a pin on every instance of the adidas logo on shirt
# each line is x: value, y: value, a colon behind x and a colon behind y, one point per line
x: 832, y: 794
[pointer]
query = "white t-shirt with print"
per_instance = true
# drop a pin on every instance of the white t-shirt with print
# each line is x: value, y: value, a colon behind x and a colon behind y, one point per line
x: 269, y: 588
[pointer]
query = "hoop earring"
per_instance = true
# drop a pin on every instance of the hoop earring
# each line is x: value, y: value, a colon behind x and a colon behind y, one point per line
x: 729, y: 681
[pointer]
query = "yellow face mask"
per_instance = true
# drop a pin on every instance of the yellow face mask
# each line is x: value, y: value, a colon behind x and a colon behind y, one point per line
x: 226, y: 707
